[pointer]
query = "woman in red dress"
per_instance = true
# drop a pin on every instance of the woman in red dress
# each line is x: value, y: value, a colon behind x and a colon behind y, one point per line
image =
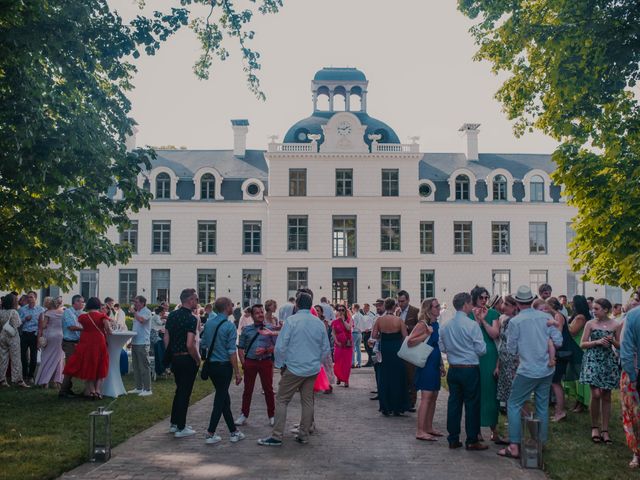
x: 90, y: 360
x: 342, y: 345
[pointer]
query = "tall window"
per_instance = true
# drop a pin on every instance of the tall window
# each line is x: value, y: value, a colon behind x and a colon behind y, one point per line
x: 160, y: 284
x: 462, y: 237
x: 390, y: 281
x: 390, y: 182
x: 161, y: 230
x: 344, y: 182
x: 499, y: 187
x: 500, y: 237
x: 575, y: 284
x: 390, y: 233
x: 344, y: 236
x: 130, y: 235
x: 296, y: 278
x: 297, y: 232
x: 427, y: 284
x: 538, y: 237
x: 206, y: 285
x: 128, y: 285
x: 462, y: 187
x: 89, y: 283
x: 207, y: 187
x: 163, y: 186
x: 251, y: 287
x: 501, y: 282
x: 537, y: 188
x: 207, y: 236
x: 297, y: 182
x: 570, y: 233
x: 426, y: 237
x: 537, y: 278
x: 252, y: 233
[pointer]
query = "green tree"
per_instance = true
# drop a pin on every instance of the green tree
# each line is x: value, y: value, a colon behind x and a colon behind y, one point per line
x: 65, y: 69
x: 573, y: 71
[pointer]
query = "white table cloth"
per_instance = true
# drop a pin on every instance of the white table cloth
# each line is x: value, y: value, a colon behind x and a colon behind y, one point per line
x: 113, y: 386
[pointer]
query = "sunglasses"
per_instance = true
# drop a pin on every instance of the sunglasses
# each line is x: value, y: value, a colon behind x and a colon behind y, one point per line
x: 484, y: 297
x: 435, y: 306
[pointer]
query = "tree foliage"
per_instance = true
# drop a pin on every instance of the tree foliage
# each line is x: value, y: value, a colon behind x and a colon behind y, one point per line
x: 574, y: 68
x: 65, y: 69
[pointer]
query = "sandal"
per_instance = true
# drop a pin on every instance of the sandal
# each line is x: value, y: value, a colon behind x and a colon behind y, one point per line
x: 23, y: 385
x: 635, y: 462
x: 4, y: 384
x: 607, y: 440
x: 596, y: 438
x: 498, y: 440
x: 507, y: 453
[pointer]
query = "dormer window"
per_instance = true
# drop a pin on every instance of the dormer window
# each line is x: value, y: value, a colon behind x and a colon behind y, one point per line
x: 537, y: 188
x: 499, y: 187
x: 208, y: 187
x: 163, y: 186
x: 462, y: 187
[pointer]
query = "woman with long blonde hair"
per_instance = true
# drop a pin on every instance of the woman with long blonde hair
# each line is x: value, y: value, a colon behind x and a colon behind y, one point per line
x: 427, y: 378
x: 50, y: 343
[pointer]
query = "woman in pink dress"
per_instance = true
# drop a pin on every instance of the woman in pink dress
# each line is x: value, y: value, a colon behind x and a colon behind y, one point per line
x: 343, y: 345
x: 51, y: 354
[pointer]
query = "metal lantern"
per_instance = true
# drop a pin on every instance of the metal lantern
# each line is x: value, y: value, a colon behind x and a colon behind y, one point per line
x: 531, y: 443
x: 100, y: 435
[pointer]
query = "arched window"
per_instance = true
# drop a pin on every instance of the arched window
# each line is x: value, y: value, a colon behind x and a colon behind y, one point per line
x: 208, y: 187
x: 499, y: 187
x: 462, y: 187
x: 537, y: 188
x: 163, y: 186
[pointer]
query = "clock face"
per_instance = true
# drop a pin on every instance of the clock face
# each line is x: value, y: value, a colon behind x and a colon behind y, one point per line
x: 344, y: 128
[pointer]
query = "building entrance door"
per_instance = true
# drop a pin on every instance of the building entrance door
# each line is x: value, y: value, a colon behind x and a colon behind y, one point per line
x: 344, y: 285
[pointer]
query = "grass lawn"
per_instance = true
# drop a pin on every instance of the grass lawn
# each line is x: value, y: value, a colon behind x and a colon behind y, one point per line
x: 42, y: 436
x: 571, y: 455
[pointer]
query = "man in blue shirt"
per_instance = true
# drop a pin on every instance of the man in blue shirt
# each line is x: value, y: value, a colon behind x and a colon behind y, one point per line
x: 140, y: 347
x: 528, y: 336
x: 301, y: 347
x: 70, y: 336
x: 630, y: 345
x: 223, y: 365
x: 29, y: 315
x: 255, y: 350
x: 461, y: 339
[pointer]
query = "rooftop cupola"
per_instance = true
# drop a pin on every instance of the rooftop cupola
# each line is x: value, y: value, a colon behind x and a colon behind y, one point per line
x: 346, y: 82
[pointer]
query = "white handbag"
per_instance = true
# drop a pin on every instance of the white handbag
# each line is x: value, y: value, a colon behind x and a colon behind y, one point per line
x: 416, y: 355
x: 9, y: 329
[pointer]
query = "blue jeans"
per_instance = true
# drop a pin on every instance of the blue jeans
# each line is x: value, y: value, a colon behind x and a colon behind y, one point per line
x: 357, y: 354
x: 521, y: 392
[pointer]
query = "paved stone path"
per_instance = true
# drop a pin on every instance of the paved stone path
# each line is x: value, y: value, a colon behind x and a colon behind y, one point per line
x: 352, y: 441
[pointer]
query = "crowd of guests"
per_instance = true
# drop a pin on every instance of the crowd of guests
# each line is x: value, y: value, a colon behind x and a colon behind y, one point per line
x: 499, y: 351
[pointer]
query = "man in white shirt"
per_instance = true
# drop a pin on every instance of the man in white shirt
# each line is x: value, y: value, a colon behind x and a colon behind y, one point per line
x: 359, y: 324
x: 140, y: 347
x: 369, y: 319
x: 329, y: 315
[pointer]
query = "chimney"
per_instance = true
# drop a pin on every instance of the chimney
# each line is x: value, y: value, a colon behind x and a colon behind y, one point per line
x: 470, y: 131
x: 240, y: 129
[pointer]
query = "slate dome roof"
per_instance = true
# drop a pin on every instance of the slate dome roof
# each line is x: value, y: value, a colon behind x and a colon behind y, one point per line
x: 313, y: 124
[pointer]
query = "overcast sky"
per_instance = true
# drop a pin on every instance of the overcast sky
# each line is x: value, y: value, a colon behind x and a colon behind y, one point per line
x: 416, y: 54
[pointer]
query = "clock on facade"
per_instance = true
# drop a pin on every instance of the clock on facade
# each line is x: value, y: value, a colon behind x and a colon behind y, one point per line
x: 344, y: 128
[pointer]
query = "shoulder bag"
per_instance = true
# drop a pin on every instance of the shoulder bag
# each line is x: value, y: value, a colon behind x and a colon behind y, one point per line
x: 415, y: 355
x: 9, y: 329
x: 205, y: 373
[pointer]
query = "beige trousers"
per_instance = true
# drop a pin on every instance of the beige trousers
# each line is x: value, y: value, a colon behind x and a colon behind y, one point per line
x: 10, y: 349
x: 141, y: 366
x: 289, y: 385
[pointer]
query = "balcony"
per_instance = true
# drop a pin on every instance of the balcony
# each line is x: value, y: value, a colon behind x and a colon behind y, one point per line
x: 312, y: 147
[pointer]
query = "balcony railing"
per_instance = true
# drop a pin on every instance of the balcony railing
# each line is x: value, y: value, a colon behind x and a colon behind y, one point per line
x: 394, y: 147
x: 294, y: 147
x: 312, y: 147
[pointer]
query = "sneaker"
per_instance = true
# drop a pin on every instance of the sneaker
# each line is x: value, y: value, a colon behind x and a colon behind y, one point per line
x: 135, y: 391
x: 145, y: 393
x: 301, y: 441
x: 241, y: 420
x: 272, y: 421
x: 185, y: 432
x: 270, y: 442
x: 236, y: 436
x: 211, y: 438
x: 173, y: 428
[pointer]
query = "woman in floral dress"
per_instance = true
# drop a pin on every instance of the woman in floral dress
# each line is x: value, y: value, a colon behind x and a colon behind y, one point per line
x: 600, y: 368
x: 507, y: 362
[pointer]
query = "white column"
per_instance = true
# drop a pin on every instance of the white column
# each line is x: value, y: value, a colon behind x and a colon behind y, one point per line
x: 331, y: 101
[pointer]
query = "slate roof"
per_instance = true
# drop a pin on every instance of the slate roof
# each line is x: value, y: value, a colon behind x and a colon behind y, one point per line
x: 436, y: 167
x: 339, y: 74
